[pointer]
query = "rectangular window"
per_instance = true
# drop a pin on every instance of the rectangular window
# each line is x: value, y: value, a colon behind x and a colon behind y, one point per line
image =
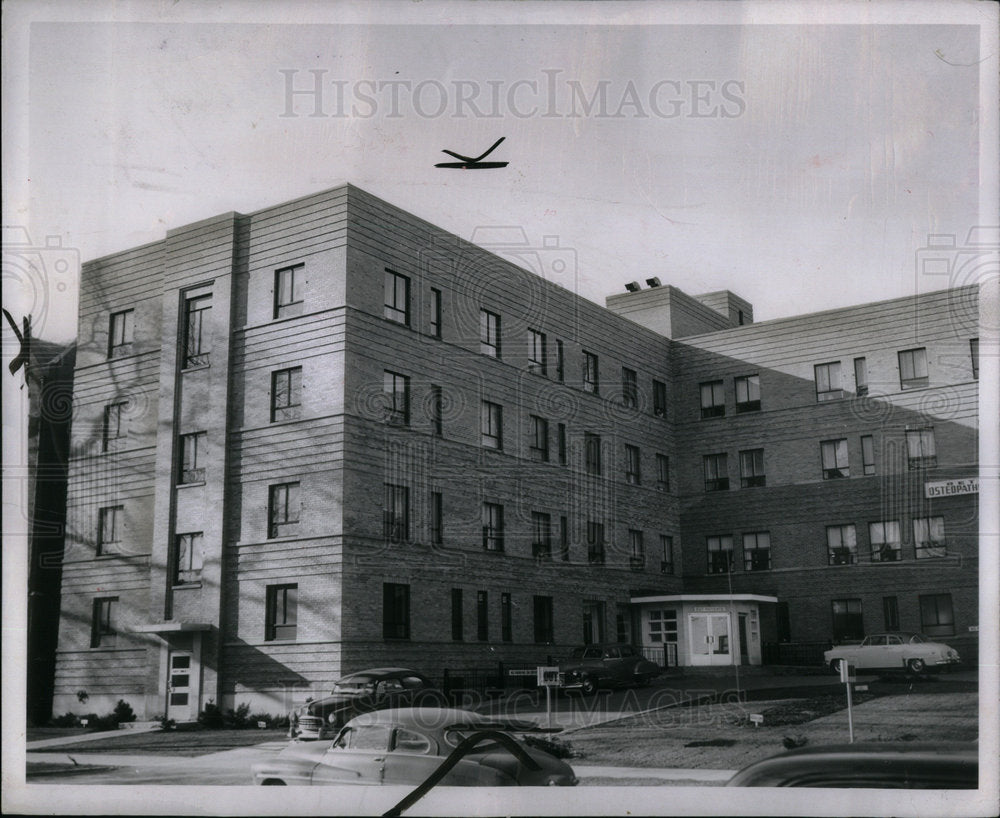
x: 397, y: 298
x: 868, y: 454
x: 757, y: 551
x: 197, y: 340
x: 936, y: 615
x: 633, y: 465
x: 595, y: 542
x: 288, y: 291
x: 493, y: 526
x: 630, y: 387
x: 435, y: 321
x: 860, y: 377
x: 592, y: 453
x: 396, y: 397
x: 828, y: 383
x: 784, y: 622
x: 747, y: 393
x: 885, y: 541
x: 395, y: 611
x: 491, y: 420
x: 543, y: 619
x: 437, y: 410
x: 536, y: 352
x: 662, y: 472
x: 974, y: 352
x: 193, y: 457
x: 282, y: 612
x: 920, y: 450
x: 560, y: 361
x: 396, y: 522
x: 564, y: 538
x: 121, y: 333
x: 928, y: 537
x: 666, y: 554
x: 283, y: 510
x: 104, y: 622
x: 834, y: 456
x: 913, y: 368
x: 890, y: 613
x: 663, y: 625
x: 541, y: 536
x: 591, y: 379
x: 457, y: 615
x: 286, y: 394
x: 561, y: 442
x: 482, y: 616
x: 623, y: 625
x: 752, y: 468
x: 713, y: 400
x: 188, y: 558
x: 489, y: 333
x: 539, y: 438
x: 637, y: 549
x: 847, y: 622
x: 110, y: 521
x: 114, y: 427
x: 841, y: 544
x: 716, y: 472
x: 437, y: 518
x: 659, y: 399
x: 506, y: 619
x: 720, y: 554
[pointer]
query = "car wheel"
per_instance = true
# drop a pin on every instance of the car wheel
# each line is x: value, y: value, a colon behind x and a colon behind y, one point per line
x: 916, y: 666
x: 835, y: 666
x: 272, y: 782
x: 588, y: 686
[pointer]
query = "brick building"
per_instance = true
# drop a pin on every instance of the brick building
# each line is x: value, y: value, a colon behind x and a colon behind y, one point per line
x: 328, y: 435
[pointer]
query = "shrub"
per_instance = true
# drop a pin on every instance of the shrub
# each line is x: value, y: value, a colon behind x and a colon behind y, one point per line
x: 211, y: 716
x: 166, y: 724
x: 238, y: 719
x: 123, y: 712
x: 66, y: 720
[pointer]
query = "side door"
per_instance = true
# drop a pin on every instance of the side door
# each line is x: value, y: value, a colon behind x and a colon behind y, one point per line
x: 871, y: 654
x: 413, y: 757
x: 357, y: 757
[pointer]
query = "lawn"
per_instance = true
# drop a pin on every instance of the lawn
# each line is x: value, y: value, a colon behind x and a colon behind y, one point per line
x: 190, y: 742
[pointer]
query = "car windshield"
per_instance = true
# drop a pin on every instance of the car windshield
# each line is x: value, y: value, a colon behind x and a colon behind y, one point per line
x: 364, y: 737
x: 355, y: 685
x: 917, y: 638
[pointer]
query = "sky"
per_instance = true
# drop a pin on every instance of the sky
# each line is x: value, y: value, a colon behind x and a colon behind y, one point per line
x: 800, y: 159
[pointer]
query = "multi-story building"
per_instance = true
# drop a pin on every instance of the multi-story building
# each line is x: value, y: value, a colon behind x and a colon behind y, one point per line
x: 328, y: 435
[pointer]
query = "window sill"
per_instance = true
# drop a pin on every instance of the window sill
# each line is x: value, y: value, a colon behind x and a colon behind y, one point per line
x: 191, y: 485
x: 194, y: 368
x: 183, y: 586
x: 280, y: 641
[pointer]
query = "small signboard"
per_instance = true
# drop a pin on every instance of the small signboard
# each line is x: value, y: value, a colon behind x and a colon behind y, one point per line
x: 756, y: 719
x: 521, y: 672
x: 548, y: 676
x: 861, y: 688
x: 948, y: 488
x: 847, y: 671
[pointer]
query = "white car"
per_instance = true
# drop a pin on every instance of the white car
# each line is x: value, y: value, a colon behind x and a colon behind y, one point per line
x: 910, y: 652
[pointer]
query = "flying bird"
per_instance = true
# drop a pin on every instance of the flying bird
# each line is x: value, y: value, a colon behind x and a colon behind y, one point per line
x: 473, y: 163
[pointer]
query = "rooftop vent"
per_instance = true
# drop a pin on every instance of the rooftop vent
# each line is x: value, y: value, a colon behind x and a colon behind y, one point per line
x: 653, y: 282
x: 633, y: 287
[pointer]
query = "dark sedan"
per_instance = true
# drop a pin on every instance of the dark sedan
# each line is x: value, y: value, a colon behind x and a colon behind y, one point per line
x: 594, y: 666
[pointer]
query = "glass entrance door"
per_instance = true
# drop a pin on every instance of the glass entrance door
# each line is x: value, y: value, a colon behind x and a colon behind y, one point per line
x: 179, y: 686
x: 709, y: 639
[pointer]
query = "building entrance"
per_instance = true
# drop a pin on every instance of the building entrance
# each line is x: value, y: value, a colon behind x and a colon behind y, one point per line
x: 709, y: 639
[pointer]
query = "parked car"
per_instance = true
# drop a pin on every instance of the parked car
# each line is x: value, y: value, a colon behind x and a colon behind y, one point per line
x: 910, y: 652
x: 594, y: 666
x: 362, y: 692
x: 404, y: 746
x: 885, y: 765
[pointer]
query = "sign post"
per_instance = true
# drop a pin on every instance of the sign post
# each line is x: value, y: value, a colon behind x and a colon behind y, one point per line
x: 847, y: 677
x: 548, y: 677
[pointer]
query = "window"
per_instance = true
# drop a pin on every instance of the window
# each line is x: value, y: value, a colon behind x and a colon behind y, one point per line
x: 396, y: 526
x: 564, y: 538
x: 282, y: 612
x: 662, y: 472
x: 720, y: 554
x: 663, y: 625
x: 747, y: 393
x: 491, y: 419
x: 482, y: 616
x: 666, y: 554
x: 489, y: 333
x: 288, y: 291
x: 493, y: 526
x: 595, y: 542
x: 197, y: 341
x: 192, y: 457
x: 541, y: 537
x: 395, y: 611
x: 591, y: 381
x: 560, y: 361
x: 752, y: 468
x: 435, y: 312
x: 437, y: 410
x: 716, y: 472
x: 913, y: 368
x: 784, y: 622
x: 543, y: 619
x: 110, y: 521
x: 974, y: 352
x: 121, y: 333
x: 936, y: 615
x: 885, y: 541
x: 841, y: 544
x: 561, y: 443
x: 114, y: 428
x: 757, y: 551
x: 539, y: 438
x: 188, y: 557
x: 286, y: 394
x: 828, y: 384
x: 713, y: 400
x: 437, y: 518
x: 633, y: 465
x: 592, y: 453
x: 104, y: 622
x: 890, y: 613
x: 396, y: 394
x: 630, y: 387
x: 506, y: 619
x: 834, y: 456
x: 623, y: 625
x: 659, y: 399
x: 397, y: 298
x: 847, y: 622
x: 868, y: 454
x: 457, y: 616
x: 536, y: 352
x: 637, y: 553
x: 920, y: 451
x: 928, y: 537
x: 283, y: 510
x: 860, y: 377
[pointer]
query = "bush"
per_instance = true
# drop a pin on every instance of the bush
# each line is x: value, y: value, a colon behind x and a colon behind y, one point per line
x: 238, y: 719
x: 123, y: 712
x: 66, y: 720
x: 211, y: 716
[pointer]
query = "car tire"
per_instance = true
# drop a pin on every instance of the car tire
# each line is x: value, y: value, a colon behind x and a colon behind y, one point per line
x: 916, y: 666
x: 835, y: 666
x: 588, y: 686
x: 272, y: 782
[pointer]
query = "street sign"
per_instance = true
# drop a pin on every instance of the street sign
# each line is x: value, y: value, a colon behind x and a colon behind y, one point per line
x: 756, y: 719
x: 516, y: 672
x: 548, y: 676
x: 861, y: 688
x: 848, y: 672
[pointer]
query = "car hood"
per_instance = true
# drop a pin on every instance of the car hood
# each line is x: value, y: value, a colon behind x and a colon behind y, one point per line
x: 332, y: 702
